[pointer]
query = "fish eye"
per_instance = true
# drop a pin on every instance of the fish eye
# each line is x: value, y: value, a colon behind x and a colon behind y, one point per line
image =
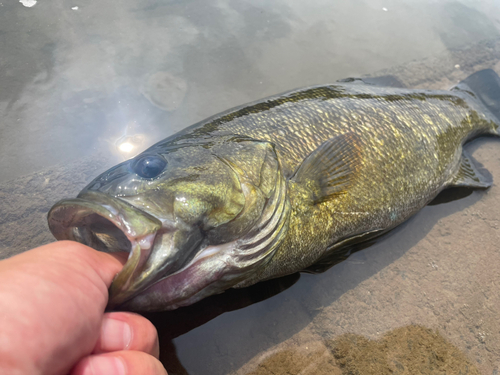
x: 149, y: 166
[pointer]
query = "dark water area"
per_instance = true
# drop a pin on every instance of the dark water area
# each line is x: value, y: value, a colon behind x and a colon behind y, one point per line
x: 84, y: 86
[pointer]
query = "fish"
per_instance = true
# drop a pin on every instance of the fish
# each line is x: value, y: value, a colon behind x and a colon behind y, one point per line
x: 277, y: 186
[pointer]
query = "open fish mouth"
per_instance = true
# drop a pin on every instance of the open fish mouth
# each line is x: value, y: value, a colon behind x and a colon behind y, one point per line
x: 111, y: 225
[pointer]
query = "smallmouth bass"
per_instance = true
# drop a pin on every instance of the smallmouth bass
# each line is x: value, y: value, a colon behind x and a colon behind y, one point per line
x: 276, y: 186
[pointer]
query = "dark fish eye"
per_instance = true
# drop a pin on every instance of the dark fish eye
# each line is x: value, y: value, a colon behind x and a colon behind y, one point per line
x: 149, y: 166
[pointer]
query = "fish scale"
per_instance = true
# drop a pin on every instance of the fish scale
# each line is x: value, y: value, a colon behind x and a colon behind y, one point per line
x: 435, y: 125
x: 285, y: 184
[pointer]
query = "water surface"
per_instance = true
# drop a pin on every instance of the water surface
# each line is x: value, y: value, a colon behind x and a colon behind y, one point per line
x: 84, y: 85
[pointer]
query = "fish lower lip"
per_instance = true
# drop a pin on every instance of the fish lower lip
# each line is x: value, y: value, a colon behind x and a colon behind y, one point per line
x: 123, y: 286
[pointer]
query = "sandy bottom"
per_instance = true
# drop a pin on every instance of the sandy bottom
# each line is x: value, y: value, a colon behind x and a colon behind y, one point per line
x: 427, y: 300
x: 406, y: 350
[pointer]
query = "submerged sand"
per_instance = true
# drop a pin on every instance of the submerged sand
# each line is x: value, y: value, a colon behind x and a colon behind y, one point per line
x: 406, y: 350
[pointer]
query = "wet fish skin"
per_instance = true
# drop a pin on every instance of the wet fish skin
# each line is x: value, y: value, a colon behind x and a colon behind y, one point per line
x: 328, y: 165
x: 410, y: 146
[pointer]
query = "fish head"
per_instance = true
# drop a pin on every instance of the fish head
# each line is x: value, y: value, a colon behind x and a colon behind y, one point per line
x: 195, y: 218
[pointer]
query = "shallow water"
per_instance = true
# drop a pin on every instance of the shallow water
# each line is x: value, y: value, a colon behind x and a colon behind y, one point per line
x: 80, y: 80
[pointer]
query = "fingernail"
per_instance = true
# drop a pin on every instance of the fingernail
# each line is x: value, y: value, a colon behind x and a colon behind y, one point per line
x: 115, y: 335
x: 103, y: 365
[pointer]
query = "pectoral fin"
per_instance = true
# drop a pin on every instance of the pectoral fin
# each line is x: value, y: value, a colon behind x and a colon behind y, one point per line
x: 332, y: 168
x: 469, y: 175
x: 341, y: 250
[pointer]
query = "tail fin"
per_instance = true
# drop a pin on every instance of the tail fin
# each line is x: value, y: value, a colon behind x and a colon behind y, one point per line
x: 485, y: 85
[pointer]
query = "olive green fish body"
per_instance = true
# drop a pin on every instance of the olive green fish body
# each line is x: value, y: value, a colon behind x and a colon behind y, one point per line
x: 271, y: 188
x: 409, y: 145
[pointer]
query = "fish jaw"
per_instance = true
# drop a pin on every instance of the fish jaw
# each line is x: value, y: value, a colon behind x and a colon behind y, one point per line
x: 216, y: 268
x: 172, y: 248
x: 110, y: 225
x: 210, y: 272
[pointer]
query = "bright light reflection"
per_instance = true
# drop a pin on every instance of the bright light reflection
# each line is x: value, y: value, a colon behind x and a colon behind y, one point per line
x: 126, y: 147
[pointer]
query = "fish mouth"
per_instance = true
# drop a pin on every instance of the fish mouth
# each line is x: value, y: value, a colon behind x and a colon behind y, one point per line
x: 111, y: 225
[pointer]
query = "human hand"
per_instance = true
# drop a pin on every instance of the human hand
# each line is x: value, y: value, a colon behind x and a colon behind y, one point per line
x: 52, y: 319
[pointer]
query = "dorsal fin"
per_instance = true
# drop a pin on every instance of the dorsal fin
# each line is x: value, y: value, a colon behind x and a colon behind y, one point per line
x: 382, y: 81
x: 332, y: 168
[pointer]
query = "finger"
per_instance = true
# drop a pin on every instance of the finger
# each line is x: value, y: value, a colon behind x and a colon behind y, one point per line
x: 105, y: 265
x: 119, y: 363
x: 70, y: 256
x: 127, y: 331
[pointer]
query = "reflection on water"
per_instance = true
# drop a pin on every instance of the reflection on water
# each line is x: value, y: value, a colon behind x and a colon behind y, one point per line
x: 72, y: 84
x: 102, y: 81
